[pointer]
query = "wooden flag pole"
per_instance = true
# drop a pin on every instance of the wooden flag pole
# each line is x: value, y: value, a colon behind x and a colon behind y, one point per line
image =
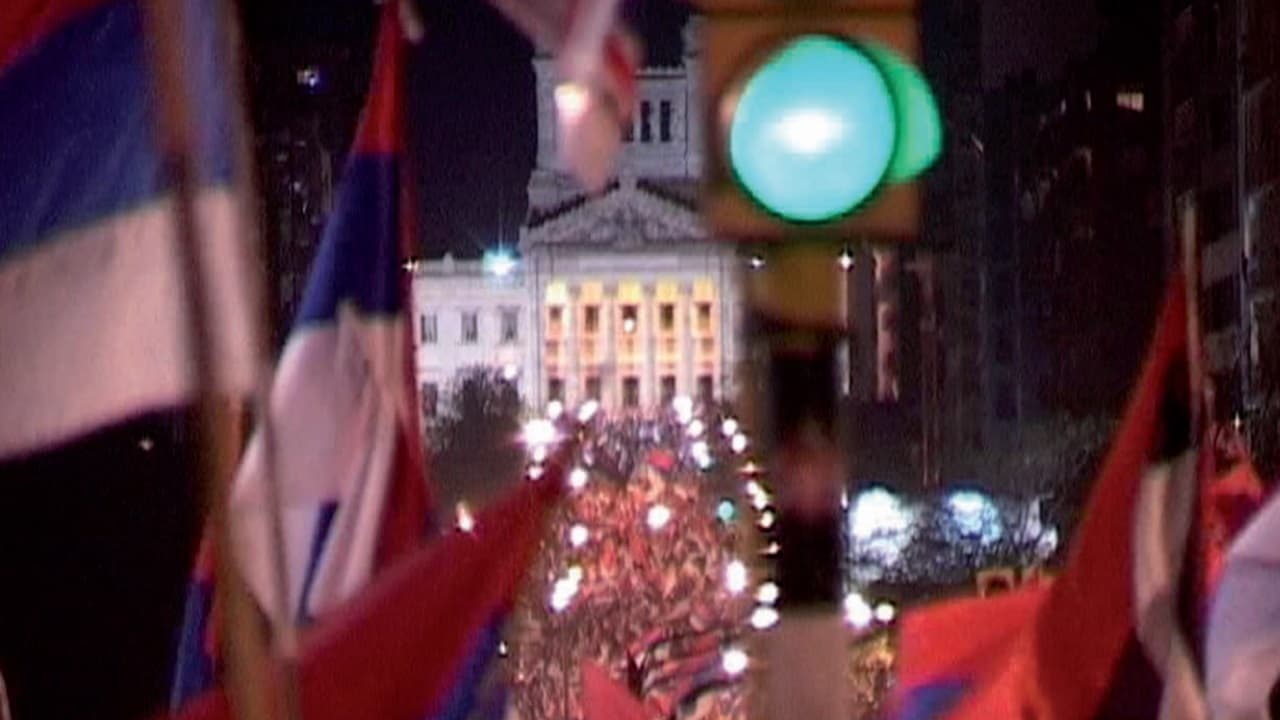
x: 248, y: 660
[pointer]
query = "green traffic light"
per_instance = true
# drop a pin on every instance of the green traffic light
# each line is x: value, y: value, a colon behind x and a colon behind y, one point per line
x: 814, y: 130
x: 919, y: 123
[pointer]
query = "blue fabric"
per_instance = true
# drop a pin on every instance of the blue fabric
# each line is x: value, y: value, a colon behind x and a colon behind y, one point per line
x: 193, y: 671
x: 465, y: 695
x: 78, y: 128
x: 359, y: 257
x: 327, y: 512
x: 933, y: 700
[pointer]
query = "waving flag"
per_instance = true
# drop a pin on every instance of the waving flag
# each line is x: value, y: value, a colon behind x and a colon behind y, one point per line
x: 1109, y: 639
x: 596, y: 89
x: 93, y: 308
x: 1243, y: 654
x: 414, y: 643
x: 346, y: 445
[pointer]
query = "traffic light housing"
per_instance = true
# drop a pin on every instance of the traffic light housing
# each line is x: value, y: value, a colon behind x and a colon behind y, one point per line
x: 816, y: 119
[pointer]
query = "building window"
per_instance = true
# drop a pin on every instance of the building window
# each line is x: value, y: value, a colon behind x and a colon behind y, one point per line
x: 629, y: 132
x: 630, y: 319
x: 706, y: 388
x: 591, y: 319
x: 646, y: 126
x: 593, y: 388
x: 630, y: 392
x: 427, y: 329
x: 668, y: 385
x: 667, y: 317
x: 664, y: 121
x: 555, y: 389
x: 510, y: 325
x: 1131, y: 100
x: 555, y: 320
x: 470, y: 327
x: 704, y: 317
x: 430, y: 399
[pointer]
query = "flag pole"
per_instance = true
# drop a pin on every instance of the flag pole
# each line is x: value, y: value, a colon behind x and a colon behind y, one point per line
x: 249, y: 684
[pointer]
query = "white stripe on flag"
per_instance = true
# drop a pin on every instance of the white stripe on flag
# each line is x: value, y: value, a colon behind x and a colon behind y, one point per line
x: 335, y: 428
x: 95, y: 327
x: 1243, y: 654
x: 1161, y: 525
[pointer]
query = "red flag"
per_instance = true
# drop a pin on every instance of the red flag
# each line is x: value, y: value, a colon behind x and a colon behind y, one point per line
x: 397, y: 650
x: 603, y: 698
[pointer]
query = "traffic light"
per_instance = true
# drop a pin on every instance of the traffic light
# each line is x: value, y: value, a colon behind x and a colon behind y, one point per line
x: 816, y: 119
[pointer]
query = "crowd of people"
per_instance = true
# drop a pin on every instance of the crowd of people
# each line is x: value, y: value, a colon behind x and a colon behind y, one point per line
x: 652, y: 605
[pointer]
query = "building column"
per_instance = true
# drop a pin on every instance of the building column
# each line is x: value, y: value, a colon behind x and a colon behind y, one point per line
x: 573, y: 390
x: 685, y: 324
x: 610, y: 379
x: 648, y: 340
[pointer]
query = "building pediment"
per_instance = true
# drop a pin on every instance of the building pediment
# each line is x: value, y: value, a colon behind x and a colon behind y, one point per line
x: 628, y: 213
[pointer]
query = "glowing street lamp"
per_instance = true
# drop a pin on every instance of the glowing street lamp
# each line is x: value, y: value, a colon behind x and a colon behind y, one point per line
x: 763, y: 618
x: 734, y: 661
x: 498, y: 263
x: 578, y: 478
x: 578, y: 535
x: 735, y: 577
x: 466, y: 522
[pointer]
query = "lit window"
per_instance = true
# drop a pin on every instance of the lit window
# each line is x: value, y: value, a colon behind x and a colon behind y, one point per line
x: 555, y: 320
x: 470, y: 328
x: 667, y: 317
x: 1131, y: 100
x: 704, y: 317
x: 510, y: 325
x: 427, y: 329
x: 630, y: 319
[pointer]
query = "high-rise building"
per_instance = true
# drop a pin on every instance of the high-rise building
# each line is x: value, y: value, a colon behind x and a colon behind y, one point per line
x: 305, y: 103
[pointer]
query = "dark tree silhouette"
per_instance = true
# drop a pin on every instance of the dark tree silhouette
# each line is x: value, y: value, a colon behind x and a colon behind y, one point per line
x: 476, y: 441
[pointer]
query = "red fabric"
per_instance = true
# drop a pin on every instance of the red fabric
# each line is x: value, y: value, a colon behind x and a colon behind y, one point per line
x: 393, y: 653
x: 1087, y: 619
x: 1230, y: 501
x: 24, y: 23
x: 962, y: 639
x: 604, y: 698
x: 382, y: 122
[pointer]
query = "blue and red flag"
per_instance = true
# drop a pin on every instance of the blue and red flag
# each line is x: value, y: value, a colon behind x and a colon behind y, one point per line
x: 417, y: 641
x: 93, y: 307
x: 347, y: 448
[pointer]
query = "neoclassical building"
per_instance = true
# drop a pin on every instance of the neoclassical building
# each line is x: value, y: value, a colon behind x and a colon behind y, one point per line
x: 620, y: 296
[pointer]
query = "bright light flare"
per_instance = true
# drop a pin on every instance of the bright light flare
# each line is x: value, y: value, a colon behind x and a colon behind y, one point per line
x: 578, y: 535
x: 555, y: 409
x: 729, y: 427
x: 878, y: 510
x: 763, y: 618
x: 572, y: 100
x: 696, y: 428
x: 539, y: 432
x: 734, y: 661
x: 683, y: 405
x: 578, y: 478
x: 767, y: 519
x: 658, y: 517
x: 466, y: 522
x: 808, y: 131
x: 767, y: 593
x: 846, y: 260
x: 498, y: 263
x: 510, y: 372
x: 738, y: 444
x: 735, y: 577
x: 885, y: 612
x: 588, y: 411
x: 856, y: 611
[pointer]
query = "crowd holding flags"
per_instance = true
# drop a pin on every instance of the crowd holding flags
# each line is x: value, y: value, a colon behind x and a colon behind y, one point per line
x: 405, y: 628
